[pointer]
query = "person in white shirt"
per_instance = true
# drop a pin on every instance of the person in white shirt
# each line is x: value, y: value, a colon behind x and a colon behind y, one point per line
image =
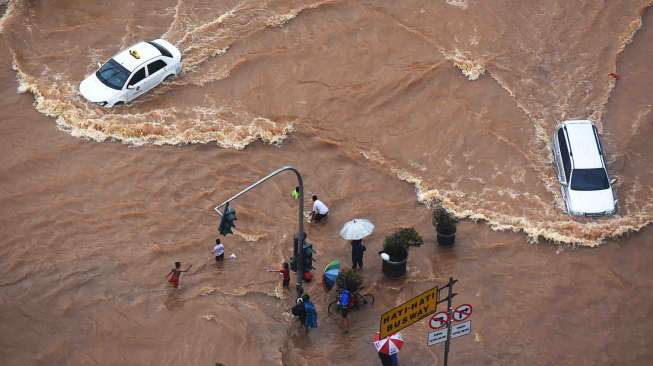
x: 218, y: 250
x: 320, y: 210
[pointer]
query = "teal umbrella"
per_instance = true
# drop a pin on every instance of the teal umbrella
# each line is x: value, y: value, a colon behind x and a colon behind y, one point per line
x: 331, y: 272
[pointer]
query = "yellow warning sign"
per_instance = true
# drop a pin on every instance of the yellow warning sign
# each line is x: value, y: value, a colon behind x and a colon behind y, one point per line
x: 409, y: 312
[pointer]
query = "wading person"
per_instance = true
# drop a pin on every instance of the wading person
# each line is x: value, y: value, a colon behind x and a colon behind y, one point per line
x: 357, y: 251
x: 285, y: 272
x: 218, y: 251
x: 311, y: 313
x: 320, y: 210
x: 175, y: 274
x: 386, y: 360
x: 299, y: 311
x: 344, y: 304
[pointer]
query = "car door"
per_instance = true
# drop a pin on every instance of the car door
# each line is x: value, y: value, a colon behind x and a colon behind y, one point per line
x: 156, y: 72
x: 135, y: 85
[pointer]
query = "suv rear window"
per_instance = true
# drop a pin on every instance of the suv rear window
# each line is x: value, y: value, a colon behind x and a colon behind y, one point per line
x: 161, y: 49
x: 589, y: 180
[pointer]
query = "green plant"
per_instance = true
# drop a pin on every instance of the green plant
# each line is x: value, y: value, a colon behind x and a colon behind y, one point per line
x: 444, y: 221
x: 396, y: 245
x: 349, y: 279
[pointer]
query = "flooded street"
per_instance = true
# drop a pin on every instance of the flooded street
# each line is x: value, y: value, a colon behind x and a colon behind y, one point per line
x: 384, y: 108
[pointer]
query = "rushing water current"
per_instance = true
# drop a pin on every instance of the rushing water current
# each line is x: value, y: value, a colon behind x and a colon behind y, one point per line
x: 385, y: 106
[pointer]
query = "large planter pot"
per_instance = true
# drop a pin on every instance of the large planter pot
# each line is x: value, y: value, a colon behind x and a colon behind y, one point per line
x: 446, y: 239
x: 394, y: 269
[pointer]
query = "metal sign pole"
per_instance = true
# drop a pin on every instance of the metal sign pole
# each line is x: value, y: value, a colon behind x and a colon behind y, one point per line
x: 450, y: 313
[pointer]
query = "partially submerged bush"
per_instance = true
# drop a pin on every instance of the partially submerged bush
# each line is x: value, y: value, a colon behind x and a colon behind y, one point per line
x: 444, y: 221
x: 397, y: 244
x: 349, y: 279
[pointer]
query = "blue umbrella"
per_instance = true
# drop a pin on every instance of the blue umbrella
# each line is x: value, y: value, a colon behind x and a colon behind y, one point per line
x: 331, y: 272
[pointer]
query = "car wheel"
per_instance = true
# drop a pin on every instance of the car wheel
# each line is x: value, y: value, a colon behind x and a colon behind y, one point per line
x: 116, y: 104
x: 169, y: 78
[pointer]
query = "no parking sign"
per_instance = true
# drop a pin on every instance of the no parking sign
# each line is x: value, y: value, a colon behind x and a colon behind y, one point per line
x: 462, y: 312
x: 439, y: 320
x: 460, y: 327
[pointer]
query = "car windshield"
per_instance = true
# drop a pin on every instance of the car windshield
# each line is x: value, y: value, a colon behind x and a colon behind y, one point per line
x: 589, y: 180
x: 113, y: 74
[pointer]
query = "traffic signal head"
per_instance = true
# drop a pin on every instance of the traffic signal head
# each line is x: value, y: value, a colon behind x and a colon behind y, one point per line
x: 307, y: 257
x: 227, y: 221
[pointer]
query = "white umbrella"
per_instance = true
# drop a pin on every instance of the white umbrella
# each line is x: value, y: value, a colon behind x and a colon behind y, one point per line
x: 356, y: 229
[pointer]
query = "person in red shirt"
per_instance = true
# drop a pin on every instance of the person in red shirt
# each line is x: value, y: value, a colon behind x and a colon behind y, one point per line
x: 175, y: 273
x: 285, y: 271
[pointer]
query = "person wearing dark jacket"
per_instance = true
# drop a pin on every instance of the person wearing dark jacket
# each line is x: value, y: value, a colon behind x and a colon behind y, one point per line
x: 299, y: 311
x: 357, y: 251
x: 386, y: 360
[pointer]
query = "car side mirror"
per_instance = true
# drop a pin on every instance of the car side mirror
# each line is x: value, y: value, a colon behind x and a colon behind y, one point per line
x: 613, y: 181
x: 99, y: 65
x: 130, y: 87
x: 563, y: 183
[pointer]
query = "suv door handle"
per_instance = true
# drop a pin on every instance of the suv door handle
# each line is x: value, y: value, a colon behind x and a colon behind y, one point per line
x: 138, y: 88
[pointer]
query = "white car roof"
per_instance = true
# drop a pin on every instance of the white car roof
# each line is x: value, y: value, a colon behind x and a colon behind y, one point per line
x: 583, y: 144
x: 143, y: 50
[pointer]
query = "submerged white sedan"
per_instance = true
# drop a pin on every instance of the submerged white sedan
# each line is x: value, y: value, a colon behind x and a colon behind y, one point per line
x: 132, y: 72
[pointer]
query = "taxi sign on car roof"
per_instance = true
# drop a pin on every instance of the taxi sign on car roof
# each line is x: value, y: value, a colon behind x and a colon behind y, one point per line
x: 134, y: 54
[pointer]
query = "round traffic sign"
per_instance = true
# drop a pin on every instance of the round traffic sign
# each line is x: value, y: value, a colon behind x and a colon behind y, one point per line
x: 462, y: 312
x: 439, y: 320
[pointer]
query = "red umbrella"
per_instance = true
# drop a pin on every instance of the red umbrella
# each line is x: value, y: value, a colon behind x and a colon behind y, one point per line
x: 388, y: 345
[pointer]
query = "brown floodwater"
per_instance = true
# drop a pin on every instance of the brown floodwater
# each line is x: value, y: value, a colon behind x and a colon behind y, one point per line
x: 384, y: 107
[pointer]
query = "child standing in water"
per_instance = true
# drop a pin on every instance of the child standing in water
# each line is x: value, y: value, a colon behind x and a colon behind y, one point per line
x: 218, y: 250
x: 175, y: 273
x: 285, y: 271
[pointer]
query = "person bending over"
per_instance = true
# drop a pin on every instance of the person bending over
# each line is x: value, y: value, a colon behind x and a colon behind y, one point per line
x: 320, y: 210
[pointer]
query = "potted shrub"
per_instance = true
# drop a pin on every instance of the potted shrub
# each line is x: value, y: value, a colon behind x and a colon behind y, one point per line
x: 445, y: 225
x: 350, y: 280
x: 395, y: 251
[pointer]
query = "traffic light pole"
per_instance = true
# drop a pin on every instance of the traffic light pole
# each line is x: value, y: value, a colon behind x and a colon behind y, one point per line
x: 301, y: 236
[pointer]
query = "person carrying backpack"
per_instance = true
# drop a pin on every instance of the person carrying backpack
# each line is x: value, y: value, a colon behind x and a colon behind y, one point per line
x: 344, y: 303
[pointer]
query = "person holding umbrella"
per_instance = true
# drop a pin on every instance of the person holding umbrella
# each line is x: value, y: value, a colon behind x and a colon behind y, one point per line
x: 330, y: 275
x: 388, y: 348
x: 357, y: 252
x: 355, y: 231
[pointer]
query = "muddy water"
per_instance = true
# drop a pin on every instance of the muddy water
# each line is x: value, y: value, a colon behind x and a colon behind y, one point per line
x: 384, y: 107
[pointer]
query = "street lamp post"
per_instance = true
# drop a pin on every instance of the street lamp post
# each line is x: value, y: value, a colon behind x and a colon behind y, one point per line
x: 300, y: 236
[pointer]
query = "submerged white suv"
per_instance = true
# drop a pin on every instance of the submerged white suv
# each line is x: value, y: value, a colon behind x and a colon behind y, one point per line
x: 579, y: 161
x: 132, y: 72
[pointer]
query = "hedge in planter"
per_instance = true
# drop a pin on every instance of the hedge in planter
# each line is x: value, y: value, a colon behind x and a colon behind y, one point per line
x: 396, y: 246
x: 445, y: 225
x: 350, y: 280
